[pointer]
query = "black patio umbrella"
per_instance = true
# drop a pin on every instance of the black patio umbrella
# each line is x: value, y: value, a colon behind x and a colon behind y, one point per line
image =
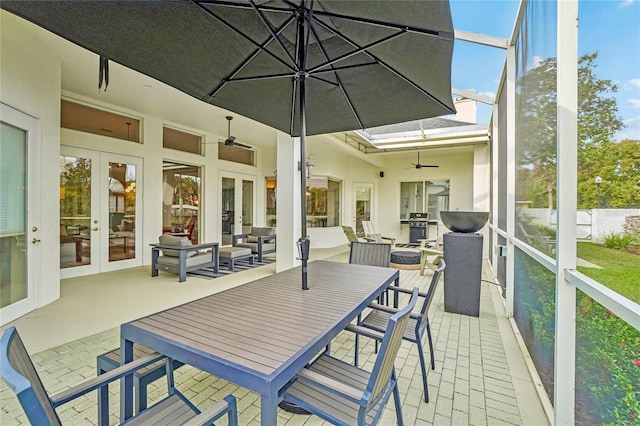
x: 305, y: 67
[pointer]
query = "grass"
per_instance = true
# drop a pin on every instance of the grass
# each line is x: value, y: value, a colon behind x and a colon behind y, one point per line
x: 621, y: 271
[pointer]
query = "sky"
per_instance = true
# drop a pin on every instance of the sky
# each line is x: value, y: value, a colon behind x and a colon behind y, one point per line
x: 609, y: 27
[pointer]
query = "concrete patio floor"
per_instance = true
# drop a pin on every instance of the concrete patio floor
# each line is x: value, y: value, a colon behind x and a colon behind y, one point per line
x: 480, y: 376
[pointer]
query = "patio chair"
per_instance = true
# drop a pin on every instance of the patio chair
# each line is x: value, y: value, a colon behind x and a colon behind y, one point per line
x: 142, y: 378
x: 180, y: 256
x: 373, y: 254
x: 415, y: 329
x: 347, y: 395
x: 260, y: 240
x: 430, y: 248
x: 18, y: 371
x: 350, y: 234
x: 371, y: 234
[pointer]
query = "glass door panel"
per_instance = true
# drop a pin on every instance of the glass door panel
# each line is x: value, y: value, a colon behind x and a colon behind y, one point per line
x: 121, y: 242
x: 247, y: 206
x: 364, y: 201
x: 13, y: 215
x: 181, y: 200
x: 228, y: 209
x: 75, y: 211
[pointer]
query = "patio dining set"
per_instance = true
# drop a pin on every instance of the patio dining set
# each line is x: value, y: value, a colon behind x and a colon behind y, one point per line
x: 267, y: 336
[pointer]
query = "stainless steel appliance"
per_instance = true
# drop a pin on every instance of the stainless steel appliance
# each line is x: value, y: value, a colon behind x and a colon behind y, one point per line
x: 418, y: 227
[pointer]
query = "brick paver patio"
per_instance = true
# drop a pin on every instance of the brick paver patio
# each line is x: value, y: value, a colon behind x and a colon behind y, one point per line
x: 471, y: 385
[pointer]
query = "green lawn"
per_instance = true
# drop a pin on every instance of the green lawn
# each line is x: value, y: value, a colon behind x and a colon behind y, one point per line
x: 621, y: 271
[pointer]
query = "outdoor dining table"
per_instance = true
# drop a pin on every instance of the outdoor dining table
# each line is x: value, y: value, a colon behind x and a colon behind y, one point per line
x: 261, y: 334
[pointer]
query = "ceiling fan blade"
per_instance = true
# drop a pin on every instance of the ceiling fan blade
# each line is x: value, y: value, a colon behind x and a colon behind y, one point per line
x: 429, y: 165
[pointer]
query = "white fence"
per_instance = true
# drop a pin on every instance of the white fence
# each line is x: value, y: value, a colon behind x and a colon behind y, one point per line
x: 591, y: 225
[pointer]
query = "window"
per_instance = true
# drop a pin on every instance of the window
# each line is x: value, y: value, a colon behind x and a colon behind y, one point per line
x: 428, y: 196
x: 237, y: 154
x: 181, y: 199
x: 99, y: 122
x: 323, y: 202
x: 181, y: 141
x: 272, y: 203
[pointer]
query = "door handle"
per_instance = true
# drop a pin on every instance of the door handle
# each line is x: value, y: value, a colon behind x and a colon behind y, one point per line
x: 35, y: 240
x: 94, y: 229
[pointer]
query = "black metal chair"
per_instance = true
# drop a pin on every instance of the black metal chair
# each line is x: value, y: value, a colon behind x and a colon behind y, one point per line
x: 418, y: 323
x: 347, y: 395
x: 18, y: 371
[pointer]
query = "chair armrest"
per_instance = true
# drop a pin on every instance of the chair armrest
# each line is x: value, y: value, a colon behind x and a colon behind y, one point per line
x: 373, y: 334
x: 266, y: 238
x: 214, y: 412
x: 202, y: 246
x: 405, y: 290
x: 390, y: 310
x: 193, y: 247
x: 331, y: 385
x: 104, y: 379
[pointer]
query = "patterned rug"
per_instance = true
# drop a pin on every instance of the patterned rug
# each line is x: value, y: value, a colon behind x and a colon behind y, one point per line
x: 239, y: 265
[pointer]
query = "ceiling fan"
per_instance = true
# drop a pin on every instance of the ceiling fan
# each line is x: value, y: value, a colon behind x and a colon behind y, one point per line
x: 419, y: 166
x: 231, y: 140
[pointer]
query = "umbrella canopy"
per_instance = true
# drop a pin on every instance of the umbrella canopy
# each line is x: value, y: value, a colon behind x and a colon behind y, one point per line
x: 304, y: 67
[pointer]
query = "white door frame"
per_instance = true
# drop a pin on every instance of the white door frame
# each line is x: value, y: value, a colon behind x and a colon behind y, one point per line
x: 239, y: 177
x: 32, y: 127
x: 372, y: 207
x: 100, y: 212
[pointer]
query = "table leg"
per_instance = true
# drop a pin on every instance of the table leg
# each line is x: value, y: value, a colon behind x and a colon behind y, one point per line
x: 126, y: 383
x: 268, y: 410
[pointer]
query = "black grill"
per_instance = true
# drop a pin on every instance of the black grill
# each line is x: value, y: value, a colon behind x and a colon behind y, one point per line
x: 418, y: 229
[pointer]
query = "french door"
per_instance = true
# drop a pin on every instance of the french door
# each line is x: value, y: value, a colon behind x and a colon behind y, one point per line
x: 237, y: 197
x: 100, y: 212
x: 363, y: 196
x: 19, y: 215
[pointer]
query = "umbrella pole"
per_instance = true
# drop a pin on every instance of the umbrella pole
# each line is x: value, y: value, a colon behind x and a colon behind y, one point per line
x: 304, y: 243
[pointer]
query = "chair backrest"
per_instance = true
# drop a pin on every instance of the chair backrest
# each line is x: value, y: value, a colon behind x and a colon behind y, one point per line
x: 190, y: 226
x: 368, y: 228
x: 351, y: 235
x: 435, y: 278
x: 18, y: 372
x: 383, y: 367
x: 373, y: 254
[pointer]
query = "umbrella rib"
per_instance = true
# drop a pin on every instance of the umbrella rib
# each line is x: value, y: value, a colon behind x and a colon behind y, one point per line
x: 337, y: 77
x: 358, y: 50
x: 249, y: 39
x: 385, y: 65
x: 273, y: 33
x: 447, y: 35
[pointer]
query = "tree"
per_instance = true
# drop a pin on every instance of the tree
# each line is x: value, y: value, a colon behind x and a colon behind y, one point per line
x: 598, y: 121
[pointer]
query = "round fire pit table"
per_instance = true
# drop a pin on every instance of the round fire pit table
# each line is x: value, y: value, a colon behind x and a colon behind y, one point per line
x: 402, y: 259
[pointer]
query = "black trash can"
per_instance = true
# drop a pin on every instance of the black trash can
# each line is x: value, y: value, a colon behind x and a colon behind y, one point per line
x: 462, y: 279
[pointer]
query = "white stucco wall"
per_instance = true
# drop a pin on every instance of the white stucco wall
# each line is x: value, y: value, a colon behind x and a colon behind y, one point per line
x: 30, y: 82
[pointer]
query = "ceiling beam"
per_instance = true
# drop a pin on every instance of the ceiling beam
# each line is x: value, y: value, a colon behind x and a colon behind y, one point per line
x: 501, y: 43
